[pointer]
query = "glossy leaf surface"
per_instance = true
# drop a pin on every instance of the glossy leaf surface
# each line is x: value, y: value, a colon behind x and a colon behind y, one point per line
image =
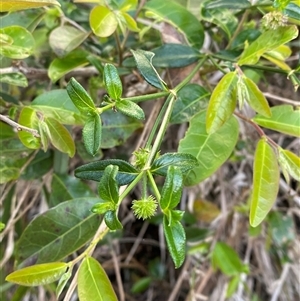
x: 61, y: 66
x: 191, y: 99
x: 112, y: 81
x: 39, y: 274
x: 265, y: 182
x: 108, y: 187
x: 95, y: 170
x: 143, y: 61
x: 172, y: 189
x: 103, y: 21
x: 180, y: 18
x: 175, y: 237
x: 60, y: 137
x: 183, y: 161
x: 13, y: 5
x: 112, y: 221
x: 211, y: 150
x: 80, y: 97
x: 267, y: 41
x: 222, y: 102
x: 227, y: 260
x: 93, y: 283
x: 130, y: 109
x: 21, y: 42
x: 58, y: 232
x: 284, y: 120
x: 16, y: 79
x: 91, y: 133
x: 29, y: 119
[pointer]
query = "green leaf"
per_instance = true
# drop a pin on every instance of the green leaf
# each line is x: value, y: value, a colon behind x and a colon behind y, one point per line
x: 117, y: 128
x: 126, y: 21
x: 58, y: 105
x: 60, y: 137
x: 232, y: 286
x: 231, y: 4
x: 39, y: 274
x: 284, y: 119
x: 16, y: 79
x: 91, y: 133
x: 130, y: 109
x: 95, y: 170
x: 103, y: 21
x: 191, y: 99
x: 72, y: 38
x: 256, y: 99
x: 180, y: 18
x: 93, y: 283
x: 183, y: 161
x: 80, y: 97
x: 112, y: 221
x: 211, y: 150
x: 267, y: 41
x: 175, y: 237
x: 172, y: 189
x: 103, y: 206
x: 290, y: 162
x: 62, y: 283
x: 293, y: 11
x: 58, y: 232
x: 143, y: 61
x: 112, y: 81
x: 227, y: 260
x: 108, y: 187
x: 13, y: 5
x: 61, y: 66
x: 29, y: 119
x: 21, y: 45
x: 175, y: 55
x: 222, y: 102
x: 265, y: 182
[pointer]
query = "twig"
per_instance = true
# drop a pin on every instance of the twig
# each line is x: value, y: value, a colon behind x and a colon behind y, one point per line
x: 118, y: 275
x: 280, y: 281
x: 19, y: 127
x: 282, y: 99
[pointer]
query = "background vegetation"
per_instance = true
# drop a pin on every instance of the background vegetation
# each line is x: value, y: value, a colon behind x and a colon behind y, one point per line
x: 149, y: 150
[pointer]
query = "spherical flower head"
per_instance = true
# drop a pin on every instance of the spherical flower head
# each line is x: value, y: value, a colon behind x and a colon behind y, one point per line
x: 273, y: 20
x: 144, y: 208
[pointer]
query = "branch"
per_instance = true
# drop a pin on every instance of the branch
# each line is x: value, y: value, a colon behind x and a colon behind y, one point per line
x: 19, y: 127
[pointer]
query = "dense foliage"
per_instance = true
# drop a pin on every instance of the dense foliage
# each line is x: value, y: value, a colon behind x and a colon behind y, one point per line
x: 114, y: 111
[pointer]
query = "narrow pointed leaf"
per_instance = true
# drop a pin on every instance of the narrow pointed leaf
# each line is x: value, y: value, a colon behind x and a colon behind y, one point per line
x: 60, y: 137
x: 284, y: 119
x: 39, y: 274
x: 130, y: 109
x: 175, y: 237
x: 112, y: 81
x: 256, y: 99
x: 58, y: 232
x: 265, y: 182
x: 112, y: 221
x: 291, y: 163
x: 267, y: 41
x: 14, y: 5
x: 93, y: 283
x: 91, y: 133
x: 172, y: 189
x: 222, y: 102
x: 62, y: 283
x: 211, y: 150
x: 95, y: 170
x: 143, y: 61
x: 108, y: 187
x: 80, y: 97
x: 183, y: 161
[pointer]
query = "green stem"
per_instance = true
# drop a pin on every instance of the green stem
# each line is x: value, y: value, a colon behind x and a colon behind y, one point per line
x: 217, y: 65
x: 153, y: 185
x: 141, y: 98
x: 191, y: 75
